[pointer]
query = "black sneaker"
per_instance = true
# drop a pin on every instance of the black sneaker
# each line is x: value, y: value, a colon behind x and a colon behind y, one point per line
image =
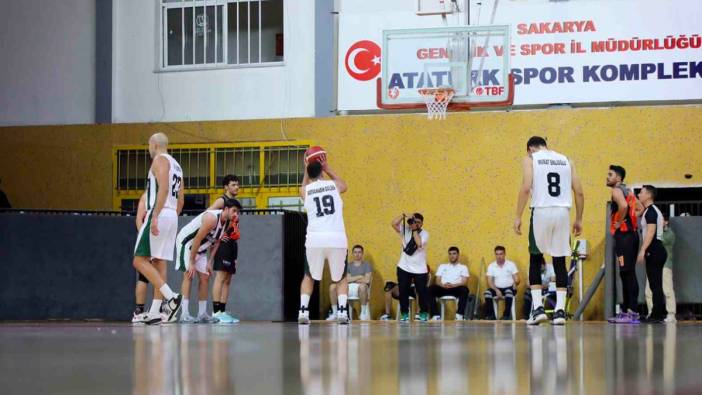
x: 559, y: 318
x: 653, y: 320
x: 490, y: 318
x: 537, y: 316
x: 173, y: 307
x: 506, y: 318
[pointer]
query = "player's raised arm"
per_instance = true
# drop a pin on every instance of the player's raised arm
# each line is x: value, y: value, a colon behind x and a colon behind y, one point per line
x: 579, y: 196
x: 524, y: 190
x: 340, y: 183
x: 160, y: 168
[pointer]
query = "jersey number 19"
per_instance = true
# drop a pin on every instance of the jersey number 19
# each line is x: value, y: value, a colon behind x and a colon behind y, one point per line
x: 325, y: 206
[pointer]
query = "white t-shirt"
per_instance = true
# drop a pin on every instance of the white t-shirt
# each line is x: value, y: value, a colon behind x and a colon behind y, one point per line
x: 551, y: 185
x: 417, y: 263
x: 502, y: 276
x: 451, y: 273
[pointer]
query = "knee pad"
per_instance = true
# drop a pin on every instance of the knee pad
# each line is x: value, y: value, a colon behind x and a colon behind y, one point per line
x: 487, y: 294
x: 535, y: 269
x: 559, y: 266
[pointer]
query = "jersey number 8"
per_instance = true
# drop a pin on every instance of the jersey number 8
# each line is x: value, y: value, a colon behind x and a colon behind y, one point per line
x: 554, y: 184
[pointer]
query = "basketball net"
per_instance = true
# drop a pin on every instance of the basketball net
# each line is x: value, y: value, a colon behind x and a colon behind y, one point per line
x: 437, y: 101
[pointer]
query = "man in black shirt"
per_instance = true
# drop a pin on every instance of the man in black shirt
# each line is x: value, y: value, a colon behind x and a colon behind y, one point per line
x: 653, y: 252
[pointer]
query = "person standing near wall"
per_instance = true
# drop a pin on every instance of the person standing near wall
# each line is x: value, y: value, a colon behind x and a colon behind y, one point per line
x: 326, y: 236
x: 652, y: 252
x: 142, y: 283
x: 668, y: 240
x: 412, y: 267
x: 550, y: 178
x: 623, y: 227
x: 194, y: 241
x: 226, y: 258
x: 156, y: 240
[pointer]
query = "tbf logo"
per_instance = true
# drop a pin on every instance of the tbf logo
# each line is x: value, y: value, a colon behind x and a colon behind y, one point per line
x: 363, y: 60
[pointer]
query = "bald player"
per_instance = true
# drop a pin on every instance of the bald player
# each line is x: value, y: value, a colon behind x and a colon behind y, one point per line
x: 550, y: 179
x: 156, y: 240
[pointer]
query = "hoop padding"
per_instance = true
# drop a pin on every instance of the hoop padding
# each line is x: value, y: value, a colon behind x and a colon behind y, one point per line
x: 452, y: 106
x: 437, y: 101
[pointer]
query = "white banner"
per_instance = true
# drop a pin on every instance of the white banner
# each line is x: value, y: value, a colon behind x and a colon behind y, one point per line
x: 562, y: 52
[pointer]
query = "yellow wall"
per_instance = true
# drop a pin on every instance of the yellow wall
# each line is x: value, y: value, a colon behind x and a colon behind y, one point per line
x: 462, y: 173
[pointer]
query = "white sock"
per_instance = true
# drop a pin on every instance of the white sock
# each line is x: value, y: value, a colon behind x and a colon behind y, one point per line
x: 536, y: 301
x: 201, y: 308
x: 304, y: 300
x: 186, y: 304
x: 167, y: 292
x: 155, y: 307
x: 334, y: 308
x: 560, y: 300
x: 343, y: 300
x: 365, y: 308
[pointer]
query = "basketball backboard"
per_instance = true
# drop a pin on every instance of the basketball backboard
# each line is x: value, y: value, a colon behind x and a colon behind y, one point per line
x: 473, y: 60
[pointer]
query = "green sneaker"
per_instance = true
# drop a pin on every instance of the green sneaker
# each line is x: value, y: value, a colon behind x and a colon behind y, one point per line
x: 423, y: 316
x: 404, y: 317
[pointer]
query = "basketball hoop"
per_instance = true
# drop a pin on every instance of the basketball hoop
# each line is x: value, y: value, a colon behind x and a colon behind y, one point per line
x: 437, y: 101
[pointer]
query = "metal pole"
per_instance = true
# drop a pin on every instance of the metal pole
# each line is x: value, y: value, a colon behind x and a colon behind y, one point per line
x: 590, y: 292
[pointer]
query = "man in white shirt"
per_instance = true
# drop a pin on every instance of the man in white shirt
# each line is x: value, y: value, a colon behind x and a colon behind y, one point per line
x: 412, y: 266
x: 502, y: 278
x: 451, y: 280
x: 548, y: 289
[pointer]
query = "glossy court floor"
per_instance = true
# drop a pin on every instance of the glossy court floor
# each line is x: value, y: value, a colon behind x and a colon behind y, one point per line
x: 362, y: 358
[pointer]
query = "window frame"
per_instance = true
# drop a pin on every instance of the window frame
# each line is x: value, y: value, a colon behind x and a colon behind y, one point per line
x: 162, y: 45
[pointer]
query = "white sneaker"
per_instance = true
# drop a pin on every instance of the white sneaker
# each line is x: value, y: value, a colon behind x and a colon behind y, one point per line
x: 332, y: 317
x: 436, y: 318
x: 303, y: 317
x: 149, y: 319
x: 670, y: 319
x: 186, y: 318
x: 459, y: 317
x: 385, y: 317
x: 206, y: 319
x: 365, y: 316
x: 343, y: 318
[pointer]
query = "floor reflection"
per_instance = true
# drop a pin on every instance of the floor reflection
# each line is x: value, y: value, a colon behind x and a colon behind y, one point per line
x: 363, y: 358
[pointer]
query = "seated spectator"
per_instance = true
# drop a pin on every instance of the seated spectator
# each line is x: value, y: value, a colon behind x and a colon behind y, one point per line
x: 392, y: 291
x: 359, y: 273
x: 502, y: 278
x: 548, y: 289
x: 451, y: 280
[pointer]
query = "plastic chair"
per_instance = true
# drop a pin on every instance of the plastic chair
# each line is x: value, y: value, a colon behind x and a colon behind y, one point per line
x: 512, y: 312
x: 358, y: 299
x: 443, y: 301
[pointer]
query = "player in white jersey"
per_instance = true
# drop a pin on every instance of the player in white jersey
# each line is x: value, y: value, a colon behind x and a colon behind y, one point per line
x: 326, y: 236
x: 156, y: 239
x: 549, y: 177
x: 196, y: 238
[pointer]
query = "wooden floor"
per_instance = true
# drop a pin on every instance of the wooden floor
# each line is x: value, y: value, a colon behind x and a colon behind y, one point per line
x: 362, y: 358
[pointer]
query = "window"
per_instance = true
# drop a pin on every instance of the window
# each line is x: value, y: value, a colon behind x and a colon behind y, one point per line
x: 244, y: 162
x: 221, y: 33
x: 284, y: 165
x: 270, y: 173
